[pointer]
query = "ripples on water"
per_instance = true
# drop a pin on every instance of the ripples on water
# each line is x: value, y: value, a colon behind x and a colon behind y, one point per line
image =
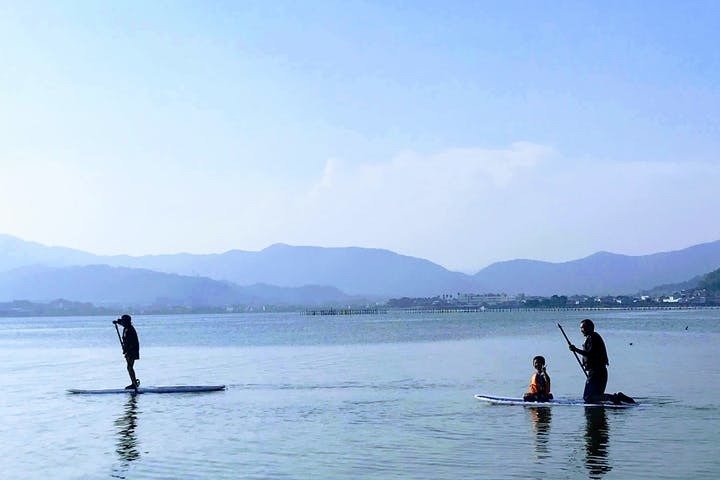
x: 360, y: 397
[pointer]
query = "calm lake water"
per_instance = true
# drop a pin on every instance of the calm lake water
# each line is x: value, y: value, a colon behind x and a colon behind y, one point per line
x: 377, y: 397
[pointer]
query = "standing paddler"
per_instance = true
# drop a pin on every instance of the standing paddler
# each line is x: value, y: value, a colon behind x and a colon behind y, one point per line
x: 130, y: 346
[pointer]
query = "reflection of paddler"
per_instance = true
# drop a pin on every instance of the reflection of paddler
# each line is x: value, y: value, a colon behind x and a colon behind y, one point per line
x: 597, y: 438
x: 127, y: 447
x: 541, y: 417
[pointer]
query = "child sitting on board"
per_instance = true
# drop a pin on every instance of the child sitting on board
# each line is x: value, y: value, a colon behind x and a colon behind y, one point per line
x: 539, y: 383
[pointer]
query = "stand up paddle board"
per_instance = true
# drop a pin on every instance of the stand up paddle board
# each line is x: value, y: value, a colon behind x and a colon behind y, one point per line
x: 167, y: 389
x: 551, y: 403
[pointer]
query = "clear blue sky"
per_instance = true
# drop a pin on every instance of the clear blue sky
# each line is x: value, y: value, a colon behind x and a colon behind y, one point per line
x: 461, y: 132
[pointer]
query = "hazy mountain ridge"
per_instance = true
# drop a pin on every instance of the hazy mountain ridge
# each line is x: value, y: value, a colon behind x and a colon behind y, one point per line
x: 15, y: 252
x: 354, y: 270
x: 382, y: 273
x: 106, y: 285
x: 603, y: 273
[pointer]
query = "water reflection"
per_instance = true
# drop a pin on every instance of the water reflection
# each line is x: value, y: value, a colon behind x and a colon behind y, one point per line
x: 127, y: 444
x: 597, y: 438
x: 541, y: 417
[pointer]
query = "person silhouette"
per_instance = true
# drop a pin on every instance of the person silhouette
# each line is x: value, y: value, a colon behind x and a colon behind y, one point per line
x: 131, y: 348
x: 595, y: 362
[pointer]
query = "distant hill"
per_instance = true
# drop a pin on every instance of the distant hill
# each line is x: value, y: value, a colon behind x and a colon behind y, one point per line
x: 711, y: 281
x: 384, y: 274
x: 602, y: 273
x: 15, y: 253
x: 671, y: 288
x: 105, y: 285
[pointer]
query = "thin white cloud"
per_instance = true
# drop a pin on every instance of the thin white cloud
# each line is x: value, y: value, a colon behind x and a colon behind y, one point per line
x: 459, y: 167
x: 412, y: 199
x: 465, y: 208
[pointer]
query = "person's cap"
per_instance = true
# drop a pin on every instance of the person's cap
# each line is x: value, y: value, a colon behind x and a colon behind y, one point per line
x: 125, y: 318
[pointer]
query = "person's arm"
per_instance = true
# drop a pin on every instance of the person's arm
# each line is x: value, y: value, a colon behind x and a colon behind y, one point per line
x: 533, y: 384
x: 547, y: 380
x: 582, y: 352
x: 588, y: 348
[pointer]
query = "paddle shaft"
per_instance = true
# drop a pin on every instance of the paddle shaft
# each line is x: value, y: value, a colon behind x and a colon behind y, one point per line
x: 120, y: 338
x: 574, y: 353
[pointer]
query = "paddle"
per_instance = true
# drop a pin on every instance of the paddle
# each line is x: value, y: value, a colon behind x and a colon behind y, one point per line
x: 119, y: 337
x: 574, y: 353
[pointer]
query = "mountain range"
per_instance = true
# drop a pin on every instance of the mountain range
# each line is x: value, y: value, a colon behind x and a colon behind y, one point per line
x: 313, y: 275
x: 104, y: 285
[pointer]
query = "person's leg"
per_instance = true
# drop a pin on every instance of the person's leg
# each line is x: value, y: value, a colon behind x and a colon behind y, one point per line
x: 589, y: 395
x: 595, y: 388
x: 611, y: 397
x: 601, y: 378
x: 624, y: 398
x: 131, y: 371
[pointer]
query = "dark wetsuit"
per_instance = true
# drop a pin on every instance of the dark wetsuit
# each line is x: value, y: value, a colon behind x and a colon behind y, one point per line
x: 131, y: 344
x: 595, y: 361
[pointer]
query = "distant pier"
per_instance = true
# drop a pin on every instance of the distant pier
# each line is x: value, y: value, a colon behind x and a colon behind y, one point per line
x: 346, y: 311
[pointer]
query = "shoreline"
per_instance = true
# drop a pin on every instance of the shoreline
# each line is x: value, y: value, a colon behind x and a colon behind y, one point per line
x: 354, y: 311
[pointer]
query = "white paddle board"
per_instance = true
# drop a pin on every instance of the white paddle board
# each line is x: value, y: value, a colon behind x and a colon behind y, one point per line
x: 165, y: 389
x: 551, y: 403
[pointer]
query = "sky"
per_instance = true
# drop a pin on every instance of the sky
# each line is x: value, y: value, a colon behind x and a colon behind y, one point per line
x: 465, y: 133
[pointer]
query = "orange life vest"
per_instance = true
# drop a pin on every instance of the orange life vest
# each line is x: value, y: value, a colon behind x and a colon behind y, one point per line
x: 540, y: 383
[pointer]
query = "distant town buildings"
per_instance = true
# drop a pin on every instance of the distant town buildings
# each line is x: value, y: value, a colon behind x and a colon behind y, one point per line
x: 501, y: 300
